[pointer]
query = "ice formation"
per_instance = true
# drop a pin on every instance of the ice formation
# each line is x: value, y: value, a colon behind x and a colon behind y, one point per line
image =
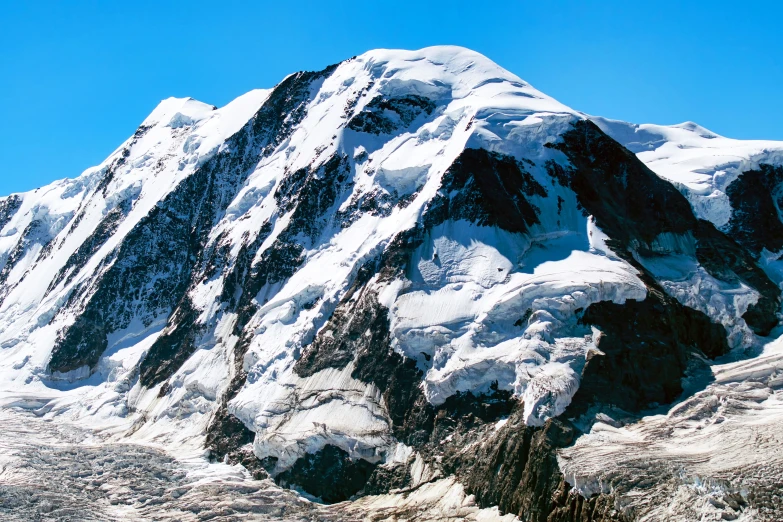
x: 373, y: 268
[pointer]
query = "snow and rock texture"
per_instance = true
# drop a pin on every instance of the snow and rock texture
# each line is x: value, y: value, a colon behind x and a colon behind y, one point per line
x: 58, y: 471
x: 715, y: 456
x: 409, y: 280
x: 735, y: 184
x: 703, y: 164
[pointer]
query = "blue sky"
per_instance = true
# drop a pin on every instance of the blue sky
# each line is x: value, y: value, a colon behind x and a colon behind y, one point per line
x: 77, y: 77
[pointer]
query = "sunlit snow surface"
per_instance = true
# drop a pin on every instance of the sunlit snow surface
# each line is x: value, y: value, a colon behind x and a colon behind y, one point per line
x: 697, y: 160
x: 459, y: 315
x: 459, y: 311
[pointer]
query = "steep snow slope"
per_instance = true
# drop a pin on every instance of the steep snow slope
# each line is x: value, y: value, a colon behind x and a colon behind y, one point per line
x: 708, y: 168
x: 58, y: 235
x: 64, y: 236
x: 405, y: 272
x: 735, y: 184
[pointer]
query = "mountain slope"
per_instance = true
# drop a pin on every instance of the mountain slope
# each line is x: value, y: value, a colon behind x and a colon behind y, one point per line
x: 407, y: 268
x: 732, y: 183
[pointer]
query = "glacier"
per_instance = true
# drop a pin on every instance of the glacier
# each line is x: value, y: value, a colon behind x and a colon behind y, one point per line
x: 381, y: 283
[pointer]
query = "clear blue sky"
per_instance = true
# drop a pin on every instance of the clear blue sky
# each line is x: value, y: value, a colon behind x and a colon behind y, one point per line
x: 77, y: 77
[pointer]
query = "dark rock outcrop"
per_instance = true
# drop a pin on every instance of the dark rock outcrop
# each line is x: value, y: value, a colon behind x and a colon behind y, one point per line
x: 635, y: 207
x: 105, y: 229
x: 8, y: 208
x: 646, y: 348
x: 756, y: 198
x: 488, y: 189
x: 514, y: 468
x: 344, y: 336
x: 232, y: 444
x: 329, y: 474
x: 384, y: 115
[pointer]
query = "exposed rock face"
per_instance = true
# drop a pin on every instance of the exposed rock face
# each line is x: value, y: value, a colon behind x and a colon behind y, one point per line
x: 488, y: 189
x: 517, y: 469
x: 403, y: 273
x: 344, y: 476
x: 157, y: 250
x: 755, y: 197
x: 384, y: 115
x: 637, y: 209
x: 646, y: 349
x: 629, y: 202
x: 8, y: 207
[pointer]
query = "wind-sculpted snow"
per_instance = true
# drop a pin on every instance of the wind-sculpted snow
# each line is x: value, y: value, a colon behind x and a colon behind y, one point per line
x: 381, y: 283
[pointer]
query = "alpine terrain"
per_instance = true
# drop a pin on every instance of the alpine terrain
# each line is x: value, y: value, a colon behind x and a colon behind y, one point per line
x: 408, y: 286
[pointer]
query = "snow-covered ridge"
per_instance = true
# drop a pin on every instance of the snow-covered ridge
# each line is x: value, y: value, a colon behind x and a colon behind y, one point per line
x: 703, y: 163
x: 366, y: 269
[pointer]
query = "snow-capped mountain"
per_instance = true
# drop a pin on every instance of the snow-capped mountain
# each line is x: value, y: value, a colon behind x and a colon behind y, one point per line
x: 408, y: 269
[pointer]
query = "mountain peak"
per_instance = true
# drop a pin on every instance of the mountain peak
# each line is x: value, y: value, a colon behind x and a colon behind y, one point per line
x: 697, y: 129
x: 346, y: 280
x: 177, y: 111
